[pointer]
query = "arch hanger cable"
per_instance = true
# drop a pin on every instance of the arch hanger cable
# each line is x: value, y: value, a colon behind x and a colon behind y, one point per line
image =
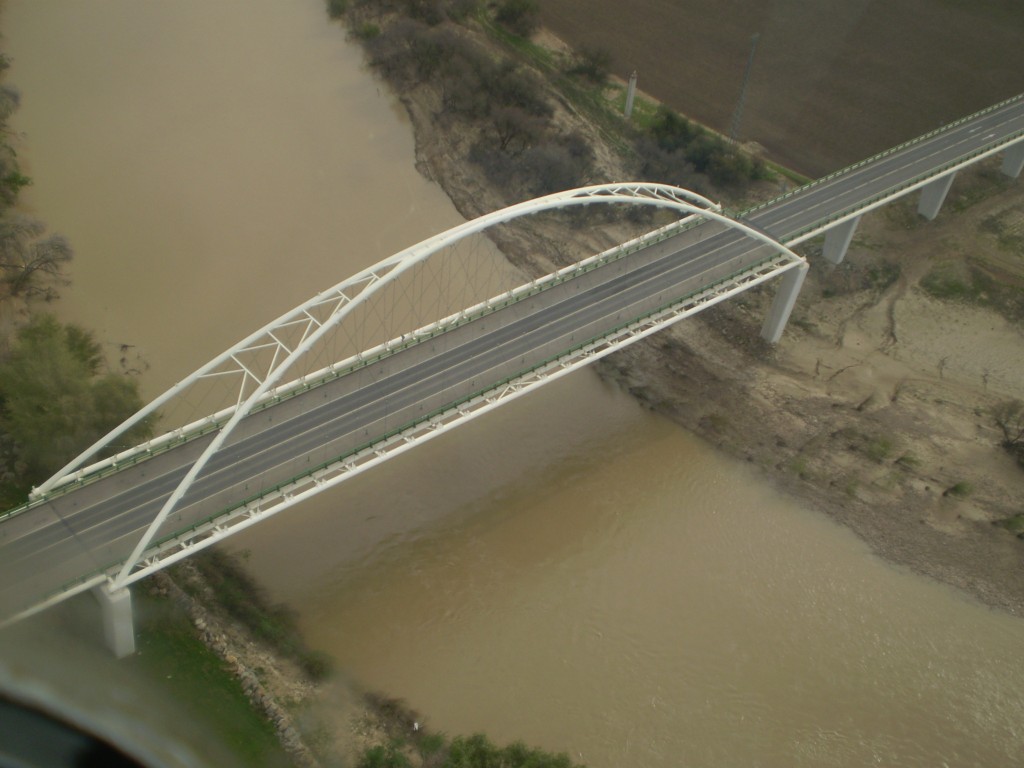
x: 327, y: 309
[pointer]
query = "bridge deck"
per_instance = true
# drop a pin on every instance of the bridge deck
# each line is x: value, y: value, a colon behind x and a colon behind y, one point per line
x: 76, y: 536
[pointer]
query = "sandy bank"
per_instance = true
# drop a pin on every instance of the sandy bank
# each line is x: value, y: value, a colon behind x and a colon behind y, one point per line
x: 876, y: 402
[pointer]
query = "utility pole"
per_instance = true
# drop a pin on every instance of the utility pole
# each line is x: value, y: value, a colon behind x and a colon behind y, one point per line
x: 735, y: 129
x: 630, y: 94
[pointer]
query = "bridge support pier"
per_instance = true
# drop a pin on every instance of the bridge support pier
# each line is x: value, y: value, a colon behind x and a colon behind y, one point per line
x: 118, y: 626
x: 838, y: 239
x: 782, y: 305
x: 1013, y: 160
x: 933, y: 195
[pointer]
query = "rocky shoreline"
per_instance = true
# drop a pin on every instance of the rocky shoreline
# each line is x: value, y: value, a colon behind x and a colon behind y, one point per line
x: 241, y: 656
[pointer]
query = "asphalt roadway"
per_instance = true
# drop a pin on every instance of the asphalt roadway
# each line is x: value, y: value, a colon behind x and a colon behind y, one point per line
x: 95, y: 527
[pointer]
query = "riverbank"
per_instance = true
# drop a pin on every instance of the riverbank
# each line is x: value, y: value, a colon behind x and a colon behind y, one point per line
x: 874, y: 408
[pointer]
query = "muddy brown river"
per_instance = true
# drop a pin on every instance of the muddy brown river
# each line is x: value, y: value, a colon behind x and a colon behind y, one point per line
x: 569, y: 570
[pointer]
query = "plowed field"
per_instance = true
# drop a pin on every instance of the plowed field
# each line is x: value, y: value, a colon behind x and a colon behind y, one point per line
x: 831, y: 82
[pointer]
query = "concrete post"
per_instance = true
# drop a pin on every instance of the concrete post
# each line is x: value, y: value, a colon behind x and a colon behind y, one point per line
x: 118, y: 627
x: 630, y: 94
x: 838, y: 239
x: 933, y: 195
x: 1013, y: 160
x: 782, y: 306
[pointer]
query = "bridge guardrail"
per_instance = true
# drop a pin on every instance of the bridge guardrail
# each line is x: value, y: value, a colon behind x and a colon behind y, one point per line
x: 373, y: 446
x: 381, y: 352
x: 529, y: 290
x: 97, y: 575
x: 899, y: 189
x: 880, y: 155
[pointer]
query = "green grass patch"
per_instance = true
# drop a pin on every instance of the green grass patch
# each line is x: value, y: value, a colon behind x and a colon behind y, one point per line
x: 909, y: 460
x: 876, y: 447
x: 1006, y: 234
x: 247, y: 602
x: 589, y: 98
x: 879, y: 449
x: 798, y: 466
x: 797, y: 178
x: 543, y: 58
x: 980, y: 186
x: 475, y: 751
x: 171, y: 654
x: 963, y: 280
x: 883, y: 274
x: 645, y: 111
x: 949, y: 281
x: 961, y: 490
x: 366, y: 31
x: 1014, y: 524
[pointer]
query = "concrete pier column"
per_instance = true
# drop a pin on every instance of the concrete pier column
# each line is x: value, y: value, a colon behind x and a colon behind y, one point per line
x: 118, y: 627
x: 1013, y: 160
x: 933, y: 195
x: 838, y: 239
x: 782, y: 306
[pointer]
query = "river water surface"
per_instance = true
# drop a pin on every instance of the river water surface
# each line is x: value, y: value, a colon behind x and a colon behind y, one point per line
x: 569, y: 570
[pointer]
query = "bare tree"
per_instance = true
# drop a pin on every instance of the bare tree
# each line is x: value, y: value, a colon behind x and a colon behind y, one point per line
x: 31, y: 260
x: 515, y: 129
x: 1009, y: 417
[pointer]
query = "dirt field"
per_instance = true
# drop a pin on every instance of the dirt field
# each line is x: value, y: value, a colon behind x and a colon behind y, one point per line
x: 831, y: 84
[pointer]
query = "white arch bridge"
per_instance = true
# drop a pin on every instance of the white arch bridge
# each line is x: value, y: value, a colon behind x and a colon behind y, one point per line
x: 310, y: 406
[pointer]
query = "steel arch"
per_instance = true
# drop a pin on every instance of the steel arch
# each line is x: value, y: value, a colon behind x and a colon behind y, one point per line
x: 350, y: 292
x: 345, y: 296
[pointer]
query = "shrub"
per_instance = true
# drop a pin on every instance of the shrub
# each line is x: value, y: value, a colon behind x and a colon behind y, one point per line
x: 57, y: 400
x: 521, y: 17
x: 554, y: 166
x: 672, y: 131
x: 949, y: 281
x: 430, y: 12
x: 908, y: 460
x: 406, y: 52
x: 594, y: 65
x: 1014, y: 524
x: 538, y: 170
x: 389, y: 756
x: 460, y: 10
x: 879, y: 449
x: 681, y: 141
x: 1009, y: 417
x: 511, y: 86
x: 31, y: 260
x: 960, y: 489
x: 366, y: 31
x: 515, y: 129
x: 666, y: 167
